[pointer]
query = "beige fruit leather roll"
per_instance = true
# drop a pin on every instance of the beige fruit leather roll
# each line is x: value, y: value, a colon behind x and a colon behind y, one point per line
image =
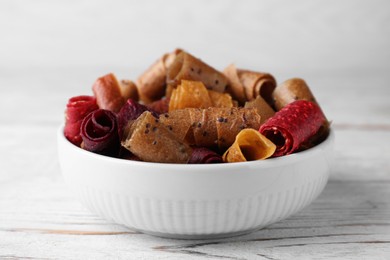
x: 111, y: 94
x: 249, y: 145
x: 290, y: 91
x: 152, y: 83
x: 246, y: 85
x: 151, y: 141
x: 262, y: 107
x: 187, y: 67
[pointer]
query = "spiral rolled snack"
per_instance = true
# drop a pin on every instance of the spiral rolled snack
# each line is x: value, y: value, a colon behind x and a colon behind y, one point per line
x: 246, y: 85
x: 152, y: 83
x: 76, y: 109
x: 297, y: 89
x: 212, y: 127
x: 293, y: 125
x: 262, y: 107
x: 249, y: 145
x: 99, y: 133
x: 111, y: 94
x: 151, y: 141
x: 187, y: 67
x: 194, y: 94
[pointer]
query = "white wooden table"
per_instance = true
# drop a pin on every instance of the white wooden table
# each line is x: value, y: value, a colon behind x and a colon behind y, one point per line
x: 41, y: 219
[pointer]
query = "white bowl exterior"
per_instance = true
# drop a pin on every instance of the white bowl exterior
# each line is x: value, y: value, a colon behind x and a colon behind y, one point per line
x: 195, y: 200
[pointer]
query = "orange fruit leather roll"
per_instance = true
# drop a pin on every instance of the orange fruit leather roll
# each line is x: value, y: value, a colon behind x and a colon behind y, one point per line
x: 249, y: 145
x: 151, y: 141
x: 111, y: 94
x: 246, y: 85
x: 262, y: 107
x: 212, y: 127
x: 151, y: 84
x: 194, y: 94
x: 187, y: 67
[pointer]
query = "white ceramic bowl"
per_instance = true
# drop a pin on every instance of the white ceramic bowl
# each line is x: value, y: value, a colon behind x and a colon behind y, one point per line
x: 195, y: 201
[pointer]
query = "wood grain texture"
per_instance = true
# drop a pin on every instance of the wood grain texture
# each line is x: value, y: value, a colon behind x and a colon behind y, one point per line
x: 52, y: 51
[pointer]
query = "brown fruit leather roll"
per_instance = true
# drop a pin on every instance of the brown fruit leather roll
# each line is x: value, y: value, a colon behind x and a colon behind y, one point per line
x: 179, y: 122
x: 128, y: 90
x: 246, y: 85
x: 262, y: 107
x: 231, y: 121
x: 151, y: 84
x: 290, y: 91
x: 212, y: 127
x: 185, y: 66
x: 151, y: 141
x: 108, y: 93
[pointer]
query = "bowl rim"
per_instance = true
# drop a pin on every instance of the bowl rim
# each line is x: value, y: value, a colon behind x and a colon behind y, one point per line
x: 268, y: 163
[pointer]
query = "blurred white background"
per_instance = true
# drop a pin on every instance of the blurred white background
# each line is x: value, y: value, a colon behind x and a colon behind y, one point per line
x: 280, y: 36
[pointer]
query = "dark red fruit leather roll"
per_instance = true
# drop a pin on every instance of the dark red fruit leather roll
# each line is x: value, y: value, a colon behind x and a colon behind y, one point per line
x: 131, y: 110
x: 76, y: 109
x: 99, y: 133
x: 204, y: 155
x: 293, y: 125
x: 159, y: 106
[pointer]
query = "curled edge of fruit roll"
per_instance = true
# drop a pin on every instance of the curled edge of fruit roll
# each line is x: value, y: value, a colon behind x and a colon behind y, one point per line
x: 249, y: 145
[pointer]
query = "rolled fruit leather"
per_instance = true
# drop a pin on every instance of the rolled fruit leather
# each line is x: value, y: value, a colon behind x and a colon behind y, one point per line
x: 246, y: 85
x: 152, y: 83
x: 76, y: 110
x: 293, y: 125
x: 201, y: 155
x: 194, y: 94
x: 249, y: 145
x: 212, y: 127
x: 262, y: 107
x: 187, y: 67
x: 99, y: 133
x: 297, y: 89
x: 151, y: 141
x: 111, y: 94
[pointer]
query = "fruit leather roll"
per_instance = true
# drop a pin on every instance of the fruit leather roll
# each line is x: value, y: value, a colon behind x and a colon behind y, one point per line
x: 111, y: 94
x: 297, y: 89
x: 99, y: 133
x: 179, y: 123
x: 249, y: 145
x: 194, y: 94
x: 230, y: 121
x: 291, y: 90
x: 246, y: 85
x: 151, y: 141
x: 293, y: 125
x: 187, y: 67
x: 201, y: 155
x: 262, y: 107
x: 76, y: 109
x: 151, y: 84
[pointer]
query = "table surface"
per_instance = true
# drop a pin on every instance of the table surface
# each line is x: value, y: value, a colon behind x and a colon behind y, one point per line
x: 41, y: 219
